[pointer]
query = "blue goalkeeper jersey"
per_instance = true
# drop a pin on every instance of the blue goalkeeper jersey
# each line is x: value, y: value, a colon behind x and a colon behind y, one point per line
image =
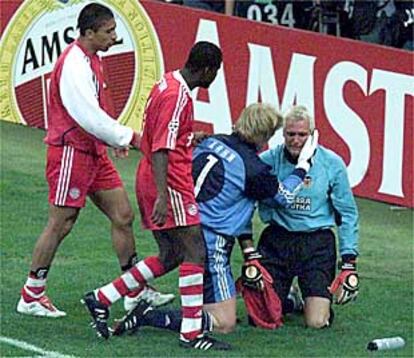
x: 324, y: 200
x: 229, y: 178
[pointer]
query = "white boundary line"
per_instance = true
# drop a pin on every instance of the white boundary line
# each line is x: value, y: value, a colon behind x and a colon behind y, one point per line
x: 30, y: 347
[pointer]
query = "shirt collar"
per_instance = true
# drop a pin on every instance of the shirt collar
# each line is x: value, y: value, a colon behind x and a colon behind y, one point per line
x: 250, y: 145
x: 177, y: 75
x: 289, y: 156
x: 84, y: 50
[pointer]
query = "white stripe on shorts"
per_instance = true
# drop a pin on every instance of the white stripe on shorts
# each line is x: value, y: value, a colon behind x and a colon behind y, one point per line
x: 219, y: 261
x: 177, y: 206
x: 64, y: 175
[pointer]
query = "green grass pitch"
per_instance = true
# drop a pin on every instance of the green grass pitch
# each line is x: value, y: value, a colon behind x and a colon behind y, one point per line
x: 86, y: 260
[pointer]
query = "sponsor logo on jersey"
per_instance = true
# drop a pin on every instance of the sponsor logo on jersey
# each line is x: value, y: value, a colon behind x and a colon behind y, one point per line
x: 301, y: 203
x: 38, y: 33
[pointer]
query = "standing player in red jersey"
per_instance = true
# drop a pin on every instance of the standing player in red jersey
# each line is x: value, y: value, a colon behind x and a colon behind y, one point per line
x: 165, y: 194
x: 78, y: 166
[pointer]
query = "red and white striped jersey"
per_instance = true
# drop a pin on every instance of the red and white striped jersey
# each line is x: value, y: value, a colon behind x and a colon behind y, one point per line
x: 77, y: 108
x: 168, y: 124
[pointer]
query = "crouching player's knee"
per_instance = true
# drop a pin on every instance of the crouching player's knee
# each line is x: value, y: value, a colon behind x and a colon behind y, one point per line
x: 317, y: 321
x: 225, y: 326
x: 222, y: 315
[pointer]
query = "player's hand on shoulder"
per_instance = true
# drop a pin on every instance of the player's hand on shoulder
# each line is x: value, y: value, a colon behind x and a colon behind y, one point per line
x: 198, y: 137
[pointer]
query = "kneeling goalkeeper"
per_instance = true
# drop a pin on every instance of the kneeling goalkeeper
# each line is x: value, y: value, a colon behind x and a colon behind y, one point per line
x: 299, y: 241
x: 229, y: 178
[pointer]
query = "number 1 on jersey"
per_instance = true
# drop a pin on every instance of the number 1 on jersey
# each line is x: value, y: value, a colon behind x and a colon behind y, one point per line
x: 211, y: 162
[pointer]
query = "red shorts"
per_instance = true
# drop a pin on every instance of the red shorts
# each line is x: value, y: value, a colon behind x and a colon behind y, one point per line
x: 182, y: 206
x: 72, y: 175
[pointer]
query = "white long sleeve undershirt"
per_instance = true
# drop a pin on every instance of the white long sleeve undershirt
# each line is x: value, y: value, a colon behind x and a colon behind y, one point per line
x: 78, y: 94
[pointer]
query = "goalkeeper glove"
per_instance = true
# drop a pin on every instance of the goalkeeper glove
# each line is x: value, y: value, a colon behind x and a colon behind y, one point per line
x: 307, y: 152
x: 346, y: 284
x: 252, y: 269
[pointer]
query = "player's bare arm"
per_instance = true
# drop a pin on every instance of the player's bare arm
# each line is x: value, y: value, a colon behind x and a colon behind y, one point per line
x: 160, y: 165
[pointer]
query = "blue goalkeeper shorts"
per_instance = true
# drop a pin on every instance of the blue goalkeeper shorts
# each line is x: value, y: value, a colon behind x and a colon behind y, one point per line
x: 218, y: 279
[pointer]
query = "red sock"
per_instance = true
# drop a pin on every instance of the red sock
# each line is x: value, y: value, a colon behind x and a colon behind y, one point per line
x: 136, y: 277
x: 34, y: 289
x: 135, y: 293
x: 191, y: 290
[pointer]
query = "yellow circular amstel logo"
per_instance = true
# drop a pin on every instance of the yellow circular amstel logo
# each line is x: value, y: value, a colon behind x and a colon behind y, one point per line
x: 38, y: 33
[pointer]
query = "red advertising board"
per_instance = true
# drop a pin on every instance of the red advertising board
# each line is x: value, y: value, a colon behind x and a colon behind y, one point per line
x: 360, y: 94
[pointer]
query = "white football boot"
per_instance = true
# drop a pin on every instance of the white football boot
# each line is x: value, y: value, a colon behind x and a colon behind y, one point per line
x: 296, y: 297
x: 150, y: 296
x: 40, y: 308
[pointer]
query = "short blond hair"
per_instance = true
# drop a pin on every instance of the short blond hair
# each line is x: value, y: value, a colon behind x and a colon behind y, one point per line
x: 258, y: 122
x: 297, y: 114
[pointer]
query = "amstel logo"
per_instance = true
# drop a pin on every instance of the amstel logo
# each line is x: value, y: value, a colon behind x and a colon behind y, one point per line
x: 38, y: 33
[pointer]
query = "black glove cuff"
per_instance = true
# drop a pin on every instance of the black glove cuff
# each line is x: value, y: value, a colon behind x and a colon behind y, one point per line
x: 349, y: 258
x: 252, y: 255
x: 348, y: 262
x: 245, y: 237
x: 347, y: 266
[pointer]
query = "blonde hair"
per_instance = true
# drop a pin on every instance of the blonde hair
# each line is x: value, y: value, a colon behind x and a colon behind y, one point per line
x: 297, y: 114
x: 258, y: 122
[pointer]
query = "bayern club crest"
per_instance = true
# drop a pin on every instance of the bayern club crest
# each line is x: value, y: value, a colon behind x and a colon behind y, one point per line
x: 74, y: 193
x: 192, y: 210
